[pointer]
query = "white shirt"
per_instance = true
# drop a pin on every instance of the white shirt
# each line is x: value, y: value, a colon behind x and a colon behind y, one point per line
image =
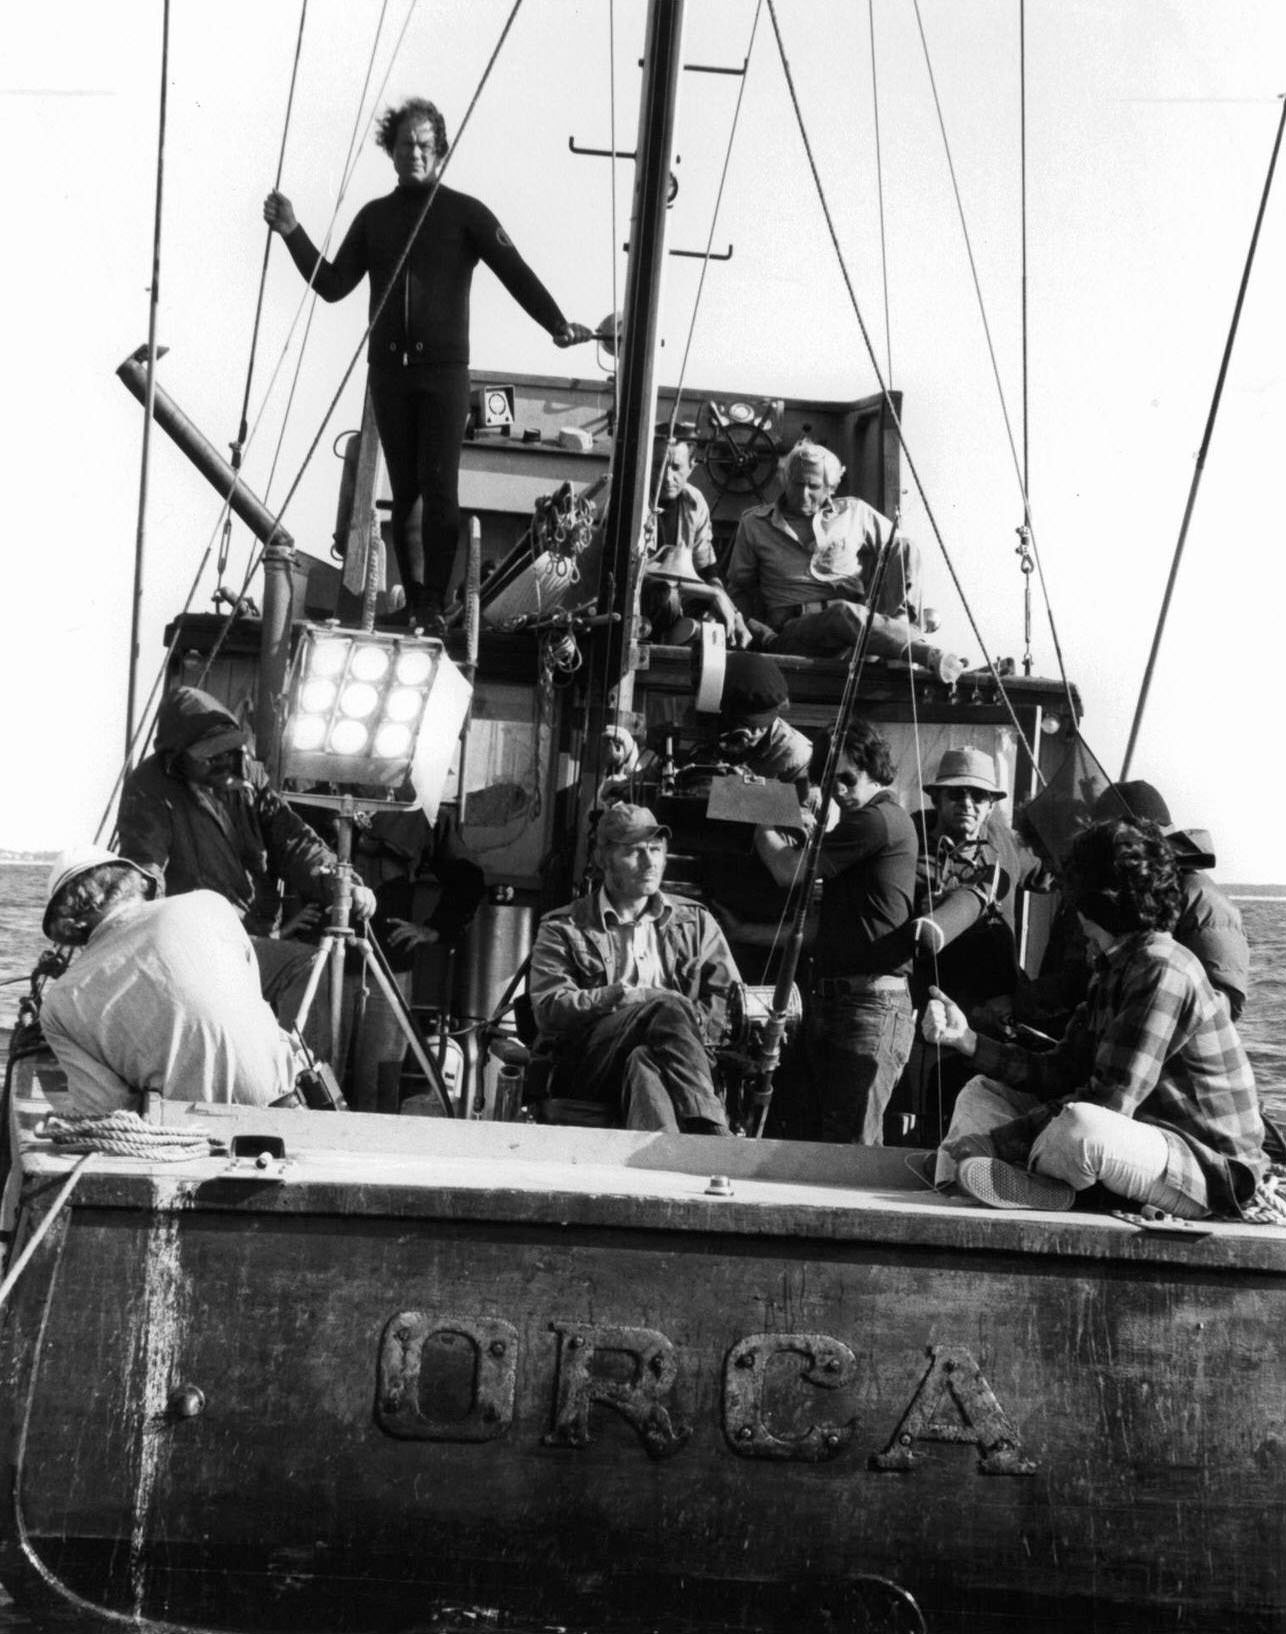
x: 165, y: 995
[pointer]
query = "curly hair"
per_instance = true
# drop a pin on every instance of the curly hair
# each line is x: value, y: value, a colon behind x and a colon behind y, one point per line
x: 418, y: 109
x: 1123, y: 877
x: 77, y: 909
x: 865, y: 747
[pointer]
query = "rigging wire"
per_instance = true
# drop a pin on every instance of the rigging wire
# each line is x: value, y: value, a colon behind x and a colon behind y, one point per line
x: 257, y: 556
x: 1200, y: 466
x: 995, y: 366
x: 890, y: 409
x: 879, y: 190
x: 238, y: 446
x: 147, y: 716
x: 154, y: 301
x: 611, y: 98
x: 714, y: 222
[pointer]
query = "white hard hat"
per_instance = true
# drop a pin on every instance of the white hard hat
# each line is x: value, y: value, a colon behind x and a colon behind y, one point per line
x: 77, y: 860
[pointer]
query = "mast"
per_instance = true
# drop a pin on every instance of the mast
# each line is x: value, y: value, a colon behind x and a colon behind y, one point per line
x: 632, y: 453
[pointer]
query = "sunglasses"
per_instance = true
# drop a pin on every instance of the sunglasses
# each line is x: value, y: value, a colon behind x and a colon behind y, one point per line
x: 978, y: 796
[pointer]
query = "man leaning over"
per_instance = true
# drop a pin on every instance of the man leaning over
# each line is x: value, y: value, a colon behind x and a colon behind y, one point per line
x: 163, y: 996
x: 632, y: 985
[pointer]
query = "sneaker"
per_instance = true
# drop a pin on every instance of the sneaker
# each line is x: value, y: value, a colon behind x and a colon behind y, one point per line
x: 1004, y: 1185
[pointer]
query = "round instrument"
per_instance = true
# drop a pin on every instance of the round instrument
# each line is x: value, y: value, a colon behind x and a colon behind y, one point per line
x: 749, y: 1010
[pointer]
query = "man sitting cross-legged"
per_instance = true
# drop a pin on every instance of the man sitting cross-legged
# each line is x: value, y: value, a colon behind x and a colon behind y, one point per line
x: 1149, y: 1094
x: 632, y: 985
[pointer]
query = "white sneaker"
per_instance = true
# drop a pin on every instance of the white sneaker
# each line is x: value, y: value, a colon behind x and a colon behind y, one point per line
x: 1004, y: 1185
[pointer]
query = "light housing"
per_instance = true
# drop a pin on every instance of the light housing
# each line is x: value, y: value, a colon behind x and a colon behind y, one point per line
x: 360, y: 702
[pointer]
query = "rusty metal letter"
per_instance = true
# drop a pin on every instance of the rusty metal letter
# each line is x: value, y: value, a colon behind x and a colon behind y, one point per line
x: 409, y: 1381
x: 652, y: 1369
x: 979, y: 1418
x: 827, y: 1364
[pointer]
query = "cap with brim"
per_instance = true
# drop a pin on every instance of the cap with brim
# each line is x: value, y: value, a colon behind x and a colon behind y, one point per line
x: 966, y: 768
x: 78, y: 860
x: 626, y: 825
x: 232, y: 737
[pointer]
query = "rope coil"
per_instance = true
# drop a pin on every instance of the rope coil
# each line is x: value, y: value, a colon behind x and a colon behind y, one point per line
x: 122, y: 1134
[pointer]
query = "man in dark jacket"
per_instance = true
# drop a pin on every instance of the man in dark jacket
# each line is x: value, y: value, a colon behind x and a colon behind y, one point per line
x: 861, y: 1024
x: 198, y: 814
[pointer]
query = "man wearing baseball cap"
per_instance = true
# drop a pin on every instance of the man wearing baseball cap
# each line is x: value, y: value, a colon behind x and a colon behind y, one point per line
x: 164, y: 995
x: 632, y: 986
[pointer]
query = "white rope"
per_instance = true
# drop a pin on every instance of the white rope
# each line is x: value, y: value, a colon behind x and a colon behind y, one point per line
x: 122, y: 1134
x: 42, y: 1230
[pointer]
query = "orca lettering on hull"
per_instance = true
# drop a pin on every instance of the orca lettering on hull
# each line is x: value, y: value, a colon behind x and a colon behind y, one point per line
x: 453, y: 1378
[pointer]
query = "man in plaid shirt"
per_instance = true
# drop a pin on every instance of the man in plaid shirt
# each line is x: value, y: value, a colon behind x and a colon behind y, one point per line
x: 1150, y: 1092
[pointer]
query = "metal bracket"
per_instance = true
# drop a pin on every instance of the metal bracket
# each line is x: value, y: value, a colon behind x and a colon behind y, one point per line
x: 257, y: 1157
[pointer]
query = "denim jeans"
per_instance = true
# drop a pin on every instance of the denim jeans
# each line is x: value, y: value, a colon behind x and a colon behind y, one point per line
x: 649, y: 1060
x: 860, y: 1040
x: 1083, y: 1144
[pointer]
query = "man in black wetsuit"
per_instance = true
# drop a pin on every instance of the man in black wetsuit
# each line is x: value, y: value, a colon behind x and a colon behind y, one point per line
x: 419, y: 344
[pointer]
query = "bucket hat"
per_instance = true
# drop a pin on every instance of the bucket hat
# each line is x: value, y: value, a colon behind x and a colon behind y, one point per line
x: 971, y: 767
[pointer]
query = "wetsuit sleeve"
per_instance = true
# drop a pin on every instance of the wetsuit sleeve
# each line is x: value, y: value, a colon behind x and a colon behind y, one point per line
x: 495, y: 247
x: 332, y: 279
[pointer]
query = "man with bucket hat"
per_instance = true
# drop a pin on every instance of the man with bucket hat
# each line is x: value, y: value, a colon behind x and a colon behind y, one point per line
x: 970, y: 866
x: 631, y: 985
x: 164, y: 995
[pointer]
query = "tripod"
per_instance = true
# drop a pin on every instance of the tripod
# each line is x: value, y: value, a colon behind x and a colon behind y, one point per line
x: 338, y: 936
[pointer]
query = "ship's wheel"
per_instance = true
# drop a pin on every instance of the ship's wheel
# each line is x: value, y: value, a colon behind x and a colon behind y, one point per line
x: 739, y: 446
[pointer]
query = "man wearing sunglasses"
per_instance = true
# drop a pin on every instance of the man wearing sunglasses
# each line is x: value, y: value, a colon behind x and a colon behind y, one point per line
x: 970, y: 866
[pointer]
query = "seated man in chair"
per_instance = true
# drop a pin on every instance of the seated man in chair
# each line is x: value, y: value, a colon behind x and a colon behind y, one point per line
x: 631, y: 986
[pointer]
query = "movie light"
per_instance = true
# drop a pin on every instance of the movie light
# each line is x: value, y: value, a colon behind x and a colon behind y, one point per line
x: 355, y: 704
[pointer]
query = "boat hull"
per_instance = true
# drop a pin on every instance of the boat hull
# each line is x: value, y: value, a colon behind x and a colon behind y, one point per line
x: 578, y: 1400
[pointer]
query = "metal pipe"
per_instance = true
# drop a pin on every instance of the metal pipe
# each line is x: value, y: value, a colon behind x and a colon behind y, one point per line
x: 274, y: 651
x: 632, y: 450
x: 202, y: 453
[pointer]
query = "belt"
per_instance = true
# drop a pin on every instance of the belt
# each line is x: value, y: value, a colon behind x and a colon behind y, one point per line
x: 832, y: 986
x: 783, y: 615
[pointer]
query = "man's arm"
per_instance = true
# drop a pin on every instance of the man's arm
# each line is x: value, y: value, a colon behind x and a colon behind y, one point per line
x: 743, y: 574
x: 144, y: 829
x: 561, y: 1004
x: 496, y: 248
x: 718, y: 973
x: 332, y: 280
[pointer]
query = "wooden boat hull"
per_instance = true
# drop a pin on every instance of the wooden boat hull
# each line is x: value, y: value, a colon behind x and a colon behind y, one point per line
x: 543, y: 1370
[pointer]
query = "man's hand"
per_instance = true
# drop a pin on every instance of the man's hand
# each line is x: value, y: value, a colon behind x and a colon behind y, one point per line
x: 944, y: 1023
x: 405, y: 935
x: 279, y: 213
x: 308, y: 918
x: 363, y: 902
x: 964, y: 1146
x: 573, y: 334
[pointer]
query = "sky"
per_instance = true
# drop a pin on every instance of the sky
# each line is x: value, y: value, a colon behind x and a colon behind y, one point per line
x: 1149, y: 131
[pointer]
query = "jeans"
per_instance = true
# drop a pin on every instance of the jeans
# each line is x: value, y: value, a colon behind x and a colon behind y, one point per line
x: 1083, y: 1144
x: 838, y: 627
x: 860, y: 1040
x: 649, y: 1060
x: 421, y: 420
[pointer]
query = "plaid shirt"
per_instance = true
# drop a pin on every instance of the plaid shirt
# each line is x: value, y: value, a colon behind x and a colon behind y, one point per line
x: 1152, y: 1041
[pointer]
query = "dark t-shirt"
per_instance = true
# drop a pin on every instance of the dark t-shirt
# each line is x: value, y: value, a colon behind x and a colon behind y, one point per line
x: 868, y: 865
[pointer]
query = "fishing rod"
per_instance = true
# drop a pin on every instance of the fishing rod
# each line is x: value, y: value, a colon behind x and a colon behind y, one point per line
x: 775, y: 1027
x: 1200, y: 466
